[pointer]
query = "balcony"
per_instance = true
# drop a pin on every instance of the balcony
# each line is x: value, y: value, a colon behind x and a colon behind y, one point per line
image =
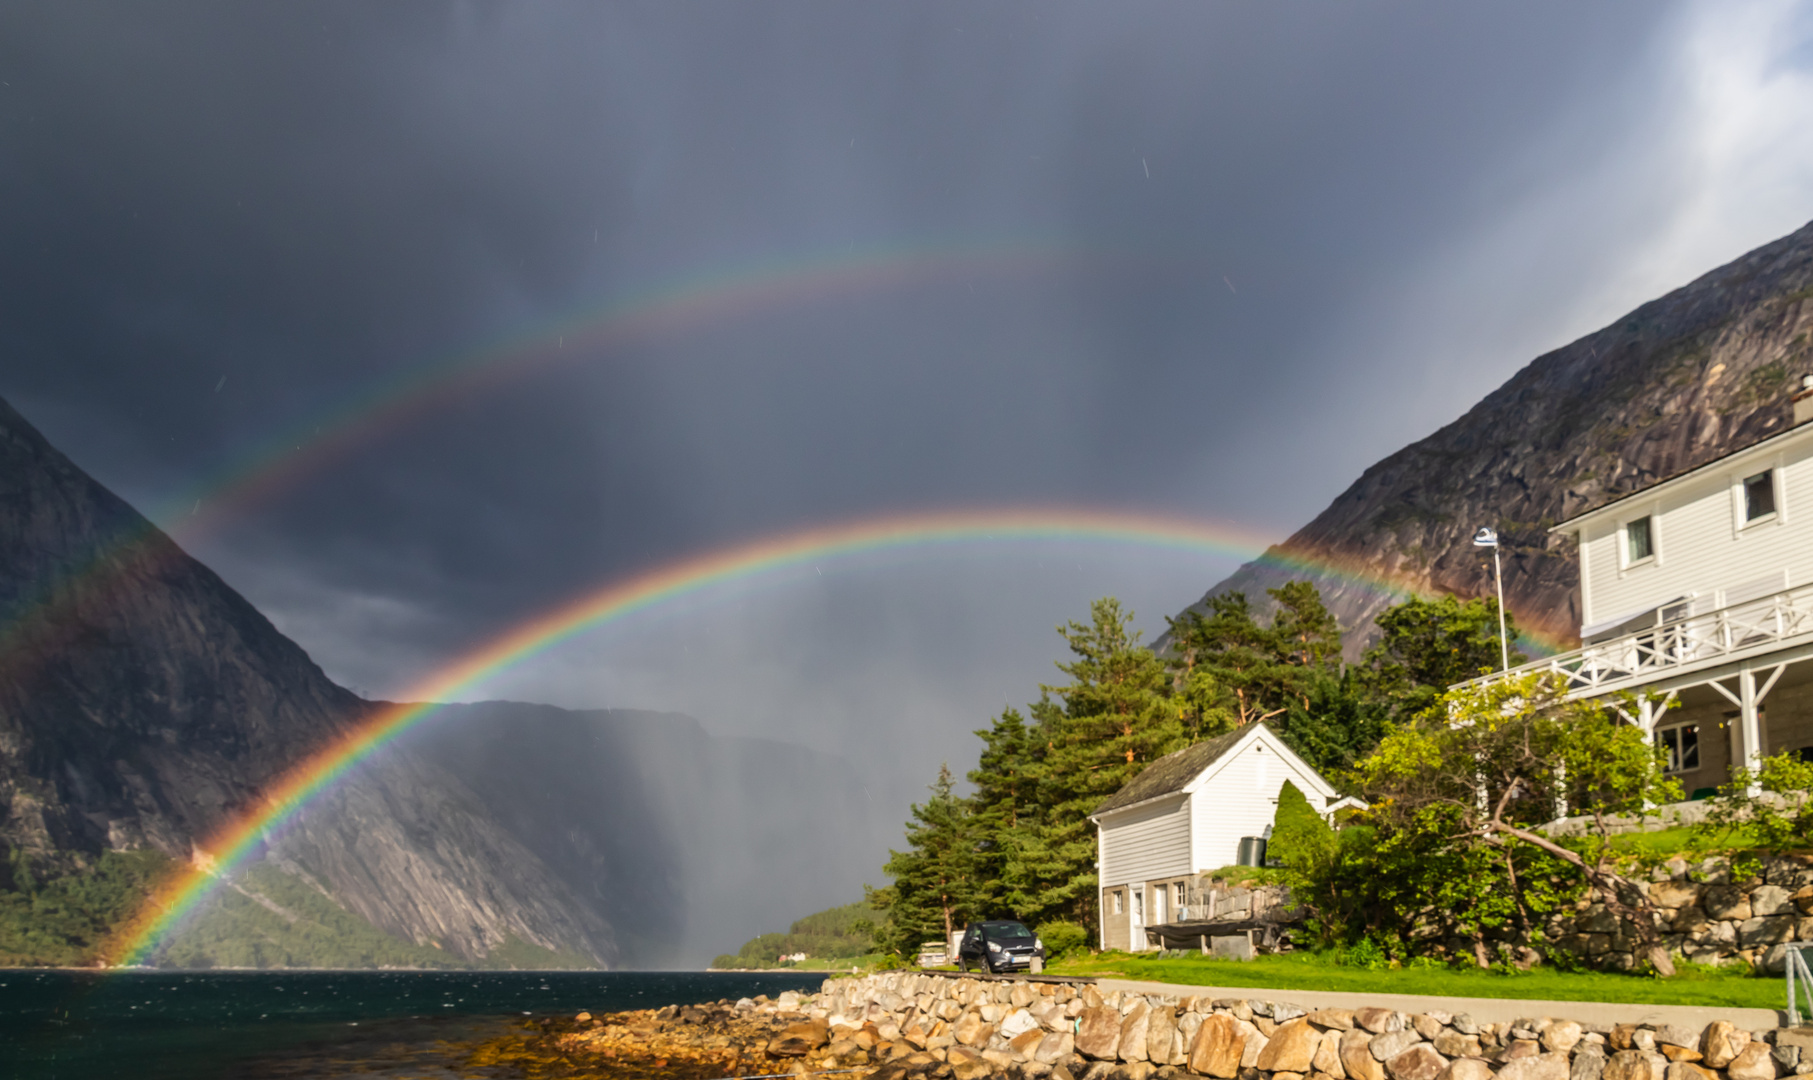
x: 1681, y: 647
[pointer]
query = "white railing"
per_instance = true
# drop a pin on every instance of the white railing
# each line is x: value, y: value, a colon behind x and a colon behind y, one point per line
x: 1693, y: 641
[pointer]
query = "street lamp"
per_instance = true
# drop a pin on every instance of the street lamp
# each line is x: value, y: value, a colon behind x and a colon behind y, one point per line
x: 1488, y: 537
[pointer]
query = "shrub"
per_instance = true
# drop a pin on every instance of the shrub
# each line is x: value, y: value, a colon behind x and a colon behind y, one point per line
x: 1062, y: 938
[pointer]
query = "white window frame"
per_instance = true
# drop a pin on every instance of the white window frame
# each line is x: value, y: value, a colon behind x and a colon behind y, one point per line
x: 1625, y: 563
x: 1740, y: 505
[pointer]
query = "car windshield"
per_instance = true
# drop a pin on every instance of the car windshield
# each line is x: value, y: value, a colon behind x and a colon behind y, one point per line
x: 1002, y: 931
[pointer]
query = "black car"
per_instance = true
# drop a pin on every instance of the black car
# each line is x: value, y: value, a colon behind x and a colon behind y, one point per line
x: 998, y: 945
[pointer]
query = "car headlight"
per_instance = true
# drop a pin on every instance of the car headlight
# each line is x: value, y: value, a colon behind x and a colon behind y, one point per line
x: 994, y: 946
x: 1037, y: 944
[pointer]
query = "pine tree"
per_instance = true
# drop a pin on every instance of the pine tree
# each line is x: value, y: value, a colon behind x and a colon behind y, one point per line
x: 1093, y: 735
x: 1003, y: 809
x: 1429, y: 645
x: 932, y: 891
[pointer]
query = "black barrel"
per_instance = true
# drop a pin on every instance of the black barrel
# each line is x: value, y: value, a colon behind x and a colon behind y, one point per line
x: 1252, y: 851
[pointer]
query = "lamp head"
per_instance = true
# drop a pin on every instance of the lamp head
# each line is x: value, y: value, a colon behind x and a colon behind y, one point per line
x: 1485, y: 537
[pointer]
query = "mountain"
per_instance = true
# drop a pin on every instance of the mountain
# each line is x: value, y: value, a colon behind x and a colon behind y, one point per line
x: 144, y: 703
x: 1679, y: 381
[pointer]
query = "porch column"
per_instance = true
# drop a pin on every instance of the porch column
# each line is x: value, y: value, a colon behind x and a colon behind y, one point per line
x: 1750, y: 737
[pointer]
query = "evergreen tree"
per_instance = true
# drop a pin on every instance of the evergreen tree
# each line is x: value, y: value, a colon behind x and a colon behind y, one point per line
x: 1093, y: 735
x: 1004, y: 807
x: 1335, y: 724
x: 1430, y: 645
x: 932, y: 891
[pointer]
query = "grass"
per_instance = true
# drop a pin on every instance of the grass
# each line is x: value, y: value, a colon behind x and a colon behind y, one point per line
x: 1694, y: 985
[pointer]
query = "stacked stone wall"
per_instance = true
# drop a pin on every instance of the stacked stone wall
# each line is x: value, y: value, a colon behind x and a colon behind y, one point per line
x: 899, y: 1025
x: 1704, y: 916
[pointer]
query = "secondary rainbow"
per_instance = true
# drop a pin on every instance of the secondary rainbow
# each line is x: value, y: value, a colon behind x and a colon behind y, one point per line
x: 664, y: 584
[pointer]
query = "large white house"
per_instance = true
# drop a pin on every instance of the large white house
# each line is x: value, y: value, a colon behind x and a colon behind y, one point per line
x: 1696, y: 597
x: 1186, y: 813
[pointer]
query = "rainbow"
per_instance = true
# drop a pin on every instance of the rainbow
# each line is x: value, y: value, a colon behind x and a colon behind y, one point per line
x: 292, y: 792
x: 389, y: 405
x: 677, y: 307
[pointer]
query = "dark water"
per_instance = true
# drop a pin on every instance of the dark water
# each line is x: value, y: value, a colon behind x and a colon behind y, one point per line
x: 61, y: 1025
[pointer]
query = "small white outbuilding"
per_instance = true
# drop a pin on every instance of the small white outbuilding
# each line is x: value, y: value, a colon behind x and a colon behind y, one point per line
x: 1186, y: 813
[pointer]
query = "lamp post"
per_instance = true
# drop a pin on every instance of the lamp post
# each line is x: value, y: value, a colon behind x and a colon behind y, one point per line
x: 1488, y: 537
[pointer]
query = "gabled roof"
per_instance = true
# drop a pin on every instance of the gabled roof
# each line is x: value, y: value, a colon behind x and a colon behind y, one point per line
x: 1173, y: 772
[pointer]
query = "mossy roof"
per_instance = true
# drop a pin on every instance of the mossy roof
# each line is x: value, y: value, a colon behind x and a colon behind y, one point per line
x: 1173, y: 771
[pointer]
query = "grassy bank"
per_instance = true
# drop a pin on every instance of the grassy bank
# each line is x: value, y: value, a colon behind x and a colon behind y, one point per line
x: 1695, y: 985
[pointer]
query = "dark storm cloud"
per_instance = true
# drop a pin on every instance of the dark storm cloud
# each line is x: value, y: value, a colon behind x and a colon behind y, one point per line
x: 1280, y: 231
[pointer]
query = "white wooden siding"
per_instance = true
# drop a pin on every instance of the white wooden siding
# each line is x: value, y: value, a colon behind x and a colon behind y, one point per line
x: 1146, y: 842
x: 1702, y: 546
x: 1239, y: 797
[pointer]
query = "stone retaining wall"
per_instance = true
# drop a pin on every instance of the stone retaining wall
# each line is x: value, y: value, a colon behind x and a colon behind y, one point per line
x: 968, y: 1029
x: 1704, y: 916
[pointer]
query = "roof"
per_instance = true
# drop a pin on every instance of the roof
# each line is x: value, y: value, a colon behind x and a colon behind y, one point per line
x: 1173, y: 772
x: 1769, y: 441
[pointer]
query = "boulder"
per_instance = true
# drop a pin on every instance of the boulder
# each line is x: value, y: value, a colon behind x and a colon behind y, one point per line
x: 1292, y: 1048
x: 1054, y: 1047
x: 1674, y: 894
x: 1562, y: 1036
x: 972, y: 1070
x: 1635, y: 1065
x: 1217, y: 1049
x: 1018, y: 1022
x: 1327, y: 1060
x: 1392, y: 1043
x: 1425, y: 1025
x: 1255, y: 1043
x: 1420, y: 1062
x: 1453, y: 1044
x: 1726, y: 902
x: 1098, y: 1033
x: 1378, y: 1021
x: 1589, y: 1062
x: 1687, y: 1070
x: 1551, y: 1066
x: 1133, y: 1031
x: 1161, y: 1031
x: 971, y: 1030
x: 1334, y: 1019
x: 1771, y: 900
x: 798, y: 1040
x: 1356, y: 1056
x: 1467, y: 1068
x: 1753, y: 1062
x: 1025, y: 1043
x: 1721, y: 1042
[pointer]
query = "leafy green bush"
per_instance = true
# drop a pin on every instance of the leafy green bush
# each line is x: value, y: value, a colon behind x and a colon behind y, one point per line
x: 1062, y: 938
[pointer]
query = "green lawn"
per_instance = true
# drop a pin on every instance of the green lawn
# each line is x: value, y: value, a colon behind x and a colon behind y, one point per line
x: 1695, y: 985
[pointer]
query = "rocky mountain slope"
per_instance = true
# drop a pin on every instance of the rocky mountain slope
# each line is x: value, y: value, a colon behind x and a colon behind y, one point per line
x: 144, y: 703
x: 1675, y: 383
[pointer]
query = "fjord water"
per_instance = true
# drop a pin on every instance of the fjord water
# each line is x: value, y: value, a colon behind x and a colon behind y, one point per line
x: 199, y: 1025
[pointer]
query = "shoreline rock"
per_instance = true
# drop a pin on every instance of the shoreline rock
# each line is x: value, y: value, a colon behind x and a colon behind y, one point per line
x: 906, y: 1025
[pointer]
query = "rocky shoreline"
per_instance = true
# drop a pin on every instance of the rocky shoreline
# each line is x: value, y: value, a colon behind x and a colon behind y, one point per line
x: 901, y: 1025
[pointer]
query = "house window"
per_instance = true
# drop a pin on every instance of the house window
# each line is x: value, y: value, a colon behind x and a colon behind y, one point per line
x: 1638, y: 541
x: 1158, y: 903
x: 1119, y: 907
x: 1759, y: 495
x: 1680, y: 747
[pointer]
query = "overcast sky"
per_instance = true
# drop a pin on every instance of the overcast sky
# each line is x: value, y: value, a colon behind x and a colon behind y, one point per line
x: 1203, y: 259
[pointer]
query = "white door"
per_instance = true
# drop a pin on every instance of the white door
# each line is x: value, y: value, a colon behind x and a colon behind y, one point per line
x: 1136, y: 920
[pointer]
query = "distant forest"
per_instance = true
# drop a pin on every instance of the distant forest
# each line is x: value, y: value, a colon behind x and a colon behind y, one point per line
x: 837, y: 933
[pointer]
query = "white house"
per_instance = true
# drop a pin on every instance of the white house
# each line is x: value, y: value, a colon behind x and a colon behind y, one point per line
x: 1186, y: 813
x: 1696, y: 597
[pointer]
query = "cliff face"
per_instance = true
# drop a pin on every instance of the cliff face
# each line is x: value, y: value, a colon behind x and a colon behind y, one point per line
x: 1675, y: 383
x: 144, y: 703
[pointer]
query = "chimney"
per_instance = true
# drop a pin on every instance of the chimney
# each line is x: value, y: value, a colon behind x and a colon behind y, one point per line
x: 1803, y: 401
